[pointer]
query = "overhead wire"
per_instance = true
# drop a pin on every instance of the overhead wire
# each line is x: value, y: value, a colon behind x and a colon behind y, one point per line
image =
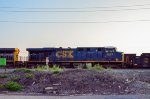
x: 78, y: 21
x: 2, y: 9
x: 137, y: 5
x: 72, y: 9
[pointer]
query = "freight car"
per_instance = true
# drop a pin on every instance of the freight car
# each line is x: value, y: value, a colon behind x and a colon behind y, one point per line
x: 76, y: 56
x: 133, y: 61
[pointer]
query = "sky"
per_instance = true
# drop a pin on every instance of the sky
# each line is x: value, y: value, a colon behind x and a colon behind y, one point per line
x: 124, y: 24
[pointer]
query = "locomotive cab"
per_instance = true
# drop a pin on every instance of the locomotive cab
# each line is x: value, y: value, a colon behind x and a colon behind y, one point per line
x: 110, y: 50
x: 113, y: 57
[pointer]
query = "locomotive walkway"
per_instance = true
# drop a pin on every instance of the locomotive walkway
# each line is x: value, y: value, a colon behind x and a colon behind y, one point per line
x: 77, y: 97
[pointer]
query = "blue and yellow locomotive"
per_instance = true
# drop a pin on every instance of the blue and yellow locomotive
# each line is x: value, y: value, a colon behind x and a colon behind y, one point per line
x: 79, y: 55
x: 11, y: 55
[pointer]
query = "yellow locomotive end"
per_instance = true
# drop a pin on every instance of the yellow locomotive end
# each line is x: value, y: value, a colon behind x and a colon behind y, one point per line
x: 16, y: 54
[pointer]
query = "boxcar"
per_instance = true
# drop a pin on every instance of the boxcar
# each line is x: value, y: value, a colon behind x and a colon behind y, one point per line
x: 145, y: 60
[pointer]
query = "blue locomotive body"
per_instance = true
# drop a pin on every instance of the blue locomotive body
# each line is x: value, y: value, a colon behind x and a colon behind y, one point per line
x: 76, y: 55
x: 86, y: 54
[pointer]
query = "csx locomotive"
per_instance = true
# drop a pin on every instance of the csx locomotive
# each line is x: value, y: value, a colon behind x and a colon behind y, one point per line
x: 75, y: 56
x: 71, y: 57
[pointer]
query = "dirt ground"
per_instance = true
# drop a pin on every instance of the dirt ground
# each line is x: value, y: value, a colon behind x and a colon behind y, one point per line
x: 79, y: 82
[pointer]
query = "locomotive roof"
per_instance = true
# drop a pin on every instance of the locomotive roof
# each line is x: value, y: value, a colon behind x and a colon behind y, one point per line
x: 96, y: 47
x: 46, y: 49
x: 10, y: 50
x: 39, y: 49
x: 52, y: 48
x: 7, y: 49
x: 90, y: 47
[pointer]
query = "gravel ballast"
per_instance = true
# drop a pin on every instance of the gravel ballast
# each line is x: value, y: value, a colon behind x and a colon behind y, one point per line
x: 81, y: 82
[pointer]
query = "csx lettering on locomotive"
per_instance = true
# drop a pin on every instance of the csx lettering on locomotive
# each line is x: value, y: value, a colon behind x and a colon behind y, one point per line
x: 64, y: 54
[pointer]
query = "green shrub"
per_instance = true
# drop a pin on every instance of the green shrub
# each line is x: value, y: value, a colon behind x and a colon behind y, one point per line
x: 23, y: 70
x: 13, y: 86
x: 1, y: 86
x: 79, y: 67
x: 3, y: 75
x: 98, y: 67
x: 42, y: 68
x: 29, y: 75
x: 109, y: 68
x: 84, y: 66
x: 14, y: 77
x: 55, y: 69
x: 88, y: 67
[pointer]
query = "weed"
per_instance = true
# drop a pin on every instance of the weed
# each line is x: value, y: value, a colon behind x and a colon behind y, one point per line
x: 15, y: 77
x: 29, y: 75
x: 1, y: 86
x: 13, y: 86
x: 98, y: 67
x: 23, y: 70
x: 42, y: 68
x: 80, y: 67
x: 3, y: 75
x: 88, y: 67
x: 109, y: 68
x: 55, y: 69
x: 84, y: 66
